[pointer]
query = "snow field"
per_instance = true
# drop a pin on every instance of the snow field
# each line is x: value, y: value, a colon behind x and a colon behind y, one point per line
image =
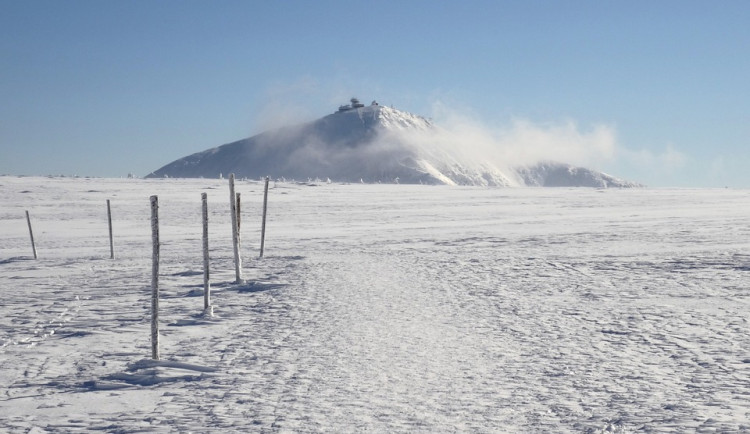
x: 377, y: 308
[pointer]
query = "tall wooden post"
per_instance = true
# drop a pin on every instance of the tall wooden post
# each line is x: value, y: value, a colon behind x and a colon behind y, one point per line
x: 239, y: 221
x: 235, y: 232
x: 31, y: 234
x: 239, y: 214
x: 111, y: 239
x: 155, y: 278
x: 263, y: 225
x: 206, y: 283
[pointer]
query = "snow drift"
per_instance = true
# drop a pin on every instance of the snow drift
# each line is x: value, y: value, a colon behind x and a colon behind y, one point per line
x: 374, y: 144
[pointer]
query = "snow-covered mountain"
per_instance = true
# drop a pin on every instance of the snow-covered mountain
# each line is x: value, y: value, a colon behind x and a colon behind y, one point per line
x: 371, y: 144
x: 550, y: 174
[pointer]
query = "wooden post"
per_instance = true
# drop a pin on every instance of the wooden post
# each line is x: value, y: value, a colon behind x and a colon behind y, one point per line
x: 263, y: 225
x: 239, y: 215
x: 155, y: 278
x: 111, y: 239
x: 239, y: 224
x: 31, y: 234
x: 206, y: 283
x: 235, y: 233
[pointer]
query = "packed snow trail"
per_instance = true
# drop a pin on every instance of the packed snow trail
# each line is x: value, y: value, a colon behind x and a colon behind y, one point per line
x: 378, y: 308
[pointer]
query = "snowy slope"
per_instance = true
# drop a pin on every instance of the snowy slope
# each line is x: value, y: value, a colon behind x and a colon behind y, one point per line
x: 343, y: 146
x: 371, y: 144
x: 550, y: 174
x: 378, y: 308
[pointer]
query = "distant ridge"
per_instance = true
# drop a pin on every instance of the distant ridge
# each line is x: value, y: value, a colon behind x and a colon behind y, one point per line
x: 371, y: 144
x: 550, y: 174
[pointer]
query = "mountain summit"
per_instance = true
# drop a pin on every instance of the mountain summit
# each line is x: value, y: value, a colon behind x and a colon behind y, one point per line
x: 370, y: 143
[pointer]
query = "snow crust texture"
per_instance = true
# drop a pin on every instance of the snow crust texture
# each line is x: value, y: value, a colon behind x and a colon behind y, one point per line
x: 373, y: 144
x: 377, y: 308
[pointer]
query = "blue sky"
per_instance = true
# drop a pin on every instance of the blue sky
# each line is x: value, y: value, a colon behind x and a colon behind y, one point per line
x: 104, y: 88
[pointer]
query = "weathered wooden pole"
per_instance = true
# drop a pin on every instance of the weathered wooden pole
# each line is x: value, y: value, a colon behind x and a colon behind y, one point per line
x: 155, y: 278
x: 206, y: 283
x: 239, y: 222
x: 263, y: 225
x: 239, y: 215
x: 235, y: 232
x: 31, y: 234
x: 111, y: 239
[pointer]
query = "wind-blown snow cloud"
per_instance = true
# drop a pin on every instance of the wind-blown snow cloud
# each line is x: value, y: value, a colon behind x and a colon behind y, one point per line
x: 520, y: 142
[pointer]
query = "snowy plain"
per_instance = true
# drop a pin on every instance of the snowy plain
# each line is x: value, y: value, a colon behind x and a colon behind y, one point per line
x: 380, y: 308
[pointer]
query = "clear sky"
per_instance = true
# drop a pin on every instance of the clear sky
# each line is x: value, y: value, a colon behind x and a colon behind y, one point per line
x: 107, y: 88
